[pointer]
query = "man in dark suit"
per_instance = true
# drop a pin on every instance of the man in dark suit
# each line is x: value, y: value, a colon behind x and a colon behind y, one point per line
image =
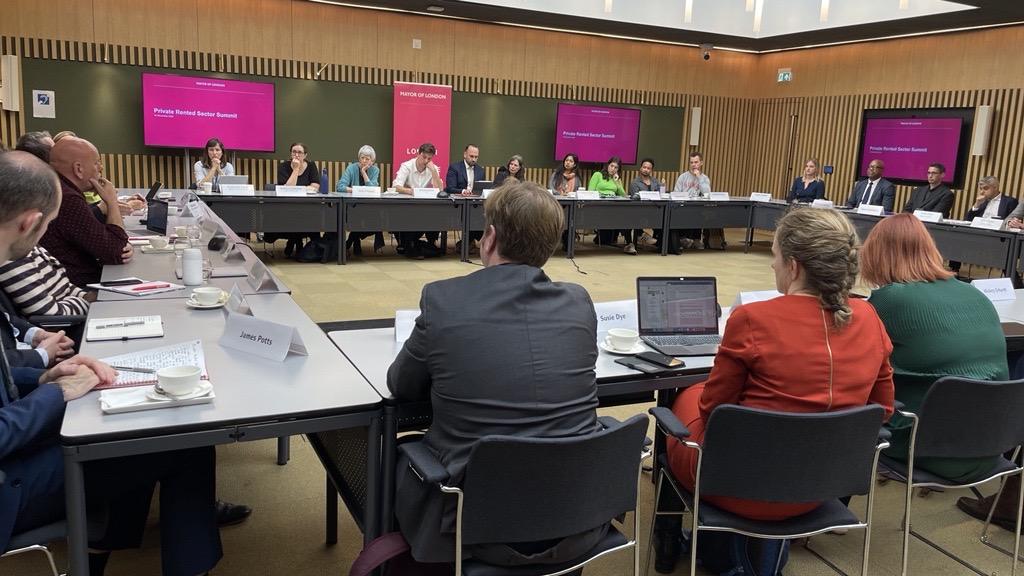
x: 514, y: 354
x: 935, y: 197
x: 460, y: 178
x: 874, y: 189
x: 32, y: 407
x: 990, y: 202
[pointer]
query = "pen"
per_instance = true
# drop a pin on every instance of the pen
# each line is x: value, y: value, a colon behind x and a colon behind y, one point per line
x: 121, y: 324
x: 151, y: 286
x: 130, y: 369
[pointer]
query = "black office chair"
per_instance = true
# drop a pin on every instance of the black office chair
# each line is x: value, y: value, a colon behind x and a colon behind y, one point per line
x: 962, y: 418
x: 779, y: 457
x: 542, y: 489
x: 35, y: 540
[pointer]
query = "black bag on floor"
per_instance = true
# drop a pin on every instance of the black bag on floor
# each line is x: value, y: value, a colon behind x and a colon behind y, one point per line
x: 313, y: 251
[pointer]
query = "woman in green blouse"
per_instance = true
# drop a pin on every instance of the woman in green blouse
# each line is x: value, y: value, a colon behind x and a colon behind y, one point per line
x: 608, y: 183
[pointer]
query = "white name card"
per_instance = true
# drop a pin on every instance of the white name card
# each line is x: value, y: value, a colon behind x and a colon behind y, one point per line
x: 588, y: 195
x: 872, y: 209
x: 754, y: 296
x: 236, y: 303
x: 760, y: 197
x: 237, y: 190
x: 987, y: 223
x: 487, y: 192
x: 679, y: 196
x: 720, y: 196
x: 261, y: 337
x: 259, y: 277
x: 996, y: 289
x: 291, y: 191
x: 617, y: 314
x: 405, y: 320
x: 366, y: 191
x: 425, y: 192
x: 231, y: 250
x: 650, y: 195
x: 819, y: 203
x: 926, y: 216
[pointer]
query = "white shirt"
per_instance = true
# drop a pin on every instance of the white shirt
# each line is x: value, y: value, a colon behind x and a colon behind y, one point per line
x: 469, y: 176
x: 409, y: 177
x: 200, y: 171
x: 992, y: 208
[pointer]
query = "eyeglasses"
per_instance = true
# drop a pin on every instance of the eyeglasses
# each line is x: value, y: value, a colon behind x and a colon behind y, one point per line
x: 298, y: 153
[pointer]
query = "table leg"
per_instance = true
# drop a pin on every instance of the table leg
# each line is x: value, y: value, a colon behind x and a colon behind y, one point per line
x: 371, y: 514
x: 570, y: 251
x: 341, y: 231
x: 389, y: 451
x: 74, y: 500
x: 331, y: 512
x: 284, y: 449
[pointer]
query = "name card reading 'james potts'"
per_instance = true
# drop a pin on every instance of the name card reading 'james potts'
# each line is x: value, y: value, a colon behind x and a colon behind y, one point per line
x: 996, y: 289
x: 261, y: 337
x: 617, y: 314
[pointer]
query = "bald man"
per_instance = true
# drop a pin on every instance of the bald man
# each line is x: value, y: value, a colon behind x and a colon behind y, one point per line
x: 81, y: 242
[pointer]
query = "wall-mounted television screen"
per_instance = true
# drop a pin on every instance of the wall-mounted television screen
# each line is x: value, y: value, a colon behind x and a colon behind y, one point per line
x: 908, y: 140
x: 596, y: 133
x: 186, y: 111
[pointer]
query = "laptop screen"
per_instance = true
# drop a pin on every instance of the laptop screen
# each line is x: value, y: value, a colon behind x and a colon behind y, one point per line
x: 677, y: 305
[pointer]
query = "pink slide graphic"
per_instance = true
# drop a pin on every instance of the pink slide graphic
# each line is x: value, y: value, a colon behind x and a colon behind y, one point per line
x: 596, y: 133
x: 909, y: 145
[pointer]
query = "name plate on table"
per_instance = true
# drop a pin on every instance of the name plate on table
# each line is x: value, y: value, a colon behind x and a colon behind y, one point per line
x: 588, y: 195
x: 236, y: 303
x: 261, y: 337
x: 291, y: 191
x: 679, y: 196
x: 650, y: 195
x: 754, y: 296
x: 425, y: 192
x: 231, y: 251
x: 405, y: 320
x: 366, y: 192
x: 259, y: 277
x: 617, y: 314
x: 988, y: 223
x: 926, y: 216
x: 872, y: 209
x: 996, y: 289
x: 237, y: 190
x: 720, y: 196
x: 760, y: 197
x: 487, y: 192
x: 819, y: 203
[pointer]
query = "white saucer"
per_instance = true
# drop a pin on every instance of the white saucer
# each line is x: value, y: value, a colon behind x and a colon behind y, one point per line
x: 191, y: 303
x: 635, y: 350
x: 204, y: 388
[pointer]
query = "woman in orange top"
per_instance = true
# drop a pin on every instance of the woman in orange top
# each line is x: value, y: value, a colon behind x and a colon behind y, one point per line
x: 813, y: 349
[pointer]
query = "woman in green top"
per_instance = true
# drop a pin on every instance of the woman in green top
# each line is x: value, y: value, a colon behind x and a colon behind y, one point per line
x: 938, y: 325
x: 608, y: 183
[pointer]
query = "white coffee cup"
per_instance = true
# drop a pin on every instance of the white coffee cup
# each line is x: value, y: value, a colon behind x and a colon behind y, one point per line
x: 622, y: 338
x: 206, y: 295
x: 158, y: 242
x: 181, y: 231
x: 207, y: 187
x: 178, y: 380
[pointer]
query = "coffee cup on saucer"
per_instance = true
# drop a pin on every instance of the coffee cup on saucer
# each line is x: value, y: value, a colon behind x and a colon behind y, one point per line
x: 206, y: 295
x: 622, y: 339
x: 181, y: 231
x: 158, y: 242
x: 178, y: 380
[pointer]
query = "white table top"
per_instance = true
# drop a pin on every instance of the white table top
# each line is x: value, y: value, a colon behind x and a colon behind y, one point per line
x: 248, y: 388
x: 1011, y: 310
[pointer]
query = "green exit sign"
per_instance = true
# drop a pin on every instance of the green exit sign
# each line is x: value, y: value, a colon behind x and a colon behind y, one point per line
x: 785, y: 75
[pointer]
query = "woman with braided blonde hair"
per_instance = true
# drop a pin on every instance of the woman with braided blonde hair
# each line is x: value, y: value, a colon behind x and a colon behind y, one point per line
x: 813, y: 349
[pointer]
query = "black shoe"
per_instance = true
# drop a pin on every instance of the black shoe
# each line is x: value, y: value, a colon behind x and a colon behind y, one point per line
x: 229, y: 514
x: 289, y: 247
x: 668, y: 545
x: 378, y: 242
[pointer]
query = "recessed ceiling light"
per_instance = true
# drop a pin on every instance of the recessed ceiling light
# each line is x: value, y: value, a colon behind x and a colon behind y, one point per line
x: 435, y: 8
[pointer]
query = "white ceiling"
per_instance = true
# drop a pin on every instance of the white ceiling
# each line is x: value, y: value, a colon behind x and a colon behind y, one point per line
x: 730, y: 17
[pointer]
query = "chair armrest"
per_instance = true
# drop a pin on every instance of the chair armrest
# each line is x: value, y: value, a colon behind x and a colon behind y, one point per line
x: 424, y: 463
x: 57, y: 320
x: 884, y: 434
x: 608, y: 422
x: 897, y: 405
x: 668, y: 423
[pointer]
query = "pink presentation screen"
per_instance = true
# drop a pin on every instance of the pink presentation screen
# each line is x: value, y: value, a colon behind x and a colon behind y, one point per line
x: 596, y: 133
x: 186, y: 111
x: 909, y: 145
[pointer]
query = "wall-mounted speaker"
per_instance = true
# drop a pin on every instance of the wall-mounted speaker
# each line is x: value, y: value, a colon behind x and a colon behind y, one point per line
x: 982, y: 130
x: 695, y: 126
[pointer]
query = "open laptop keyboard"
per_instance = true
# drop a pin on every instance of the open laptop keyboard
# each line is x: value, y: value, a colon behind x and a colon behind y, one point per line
x: 681, y: 340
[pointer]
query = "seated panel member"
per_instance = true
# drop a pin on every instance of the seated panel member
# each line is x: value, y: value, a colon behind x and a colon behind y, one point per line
x: 694, y: 183
x: 873, y: 190
x: 608, y: 183
x: 646, y: 182
x: 77, y: 239
x: 32, y: 406
x: 213, y: 164
x: 934, y: 196
x: 990, y: 202
x: 362, y: 172
x: 809, y: 187
x: 541, y: 385
x: 299, y: 171
x: 514, y: 169
x: 566, y: 179
x: 461, y: 175
x: 418, y: 172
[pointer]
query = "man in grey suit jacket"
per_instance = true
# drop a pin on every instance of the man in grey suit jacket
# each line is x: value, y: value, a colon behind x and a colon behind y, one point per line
x: 935, y: 197
x: 514, y: 354
x: 874, y: 189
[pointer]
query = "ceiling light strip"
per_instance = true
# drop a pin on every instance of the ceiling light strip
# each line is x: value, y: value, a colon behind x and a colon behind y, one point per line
x: 895, y: 37
x: 758, y: 12
x: 688, y: 12
x: 823, y: 16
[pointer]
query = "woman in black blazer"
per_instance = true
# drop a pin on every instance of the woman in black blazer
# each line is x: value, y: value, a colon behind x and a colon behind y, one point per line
x: 809, y: 187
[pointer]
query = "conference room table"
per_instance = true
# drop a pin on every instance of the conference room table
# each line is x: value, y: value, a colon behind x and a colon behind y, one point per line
x: 256, y: 399
x: 402, y: 213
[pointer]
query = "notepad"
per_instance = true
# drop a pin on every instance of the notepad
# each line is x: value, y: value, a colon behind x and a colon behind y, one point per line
x: 183, y: 354
x: 142, y: 289
x: 124, y: 328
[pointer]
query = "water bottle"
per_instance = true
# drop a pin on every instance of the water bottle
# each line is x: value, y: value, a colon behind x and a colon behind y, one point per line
x: 192, y: 267
x: 323, y: 182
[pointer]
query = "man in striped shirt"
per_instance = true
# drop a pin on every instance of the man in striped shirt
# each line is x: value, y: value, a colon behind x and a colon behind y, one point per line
x: 38, y: 285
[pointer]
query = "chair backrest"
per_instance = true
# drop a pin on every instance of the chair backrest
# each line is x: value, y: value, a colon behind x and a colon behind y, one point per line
x: 789, y: 457
x: 531, y: 489
x: 967, y: 418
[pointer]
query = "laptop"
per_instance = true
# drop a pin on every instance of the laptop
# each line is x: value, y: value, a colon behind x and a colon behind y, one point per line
x: 153, y: 191
x: 678, y: 316
x: 480, y: 185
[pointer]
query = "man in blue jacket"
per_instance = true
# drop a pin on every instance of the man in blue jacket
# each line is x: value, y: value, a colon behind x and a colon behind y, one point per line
x: 31, y: 409
x: 460, y: 179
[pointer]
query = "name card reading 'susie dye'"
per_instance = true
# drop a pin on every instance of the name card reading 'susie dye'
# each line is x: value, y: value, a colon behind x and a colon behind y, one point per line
x: 616, y: 314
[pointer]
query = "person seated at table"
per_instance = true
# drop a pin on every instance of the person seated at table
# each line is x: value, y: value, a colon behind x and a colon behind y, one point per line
x: 362, y: 172
x: 608, y: 183
x: 991, y: 203
x: 514, y: 169
x: 461, y: 175
x: 32, y: 406
x: 542, y: 385
x: 213, y: 164
x: 809, y: 187
x: 566, y: 179
x: 77, y: 239
x: 813, y: 349
x: 938, y: 325
x: 418, y: 172
x: 694, y: 183
x: 299, y: 171
x: 935, y: 196
x: 874, y: 189
x: 38, y: 284
x: 39, y: 348
x: 646, y: 182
